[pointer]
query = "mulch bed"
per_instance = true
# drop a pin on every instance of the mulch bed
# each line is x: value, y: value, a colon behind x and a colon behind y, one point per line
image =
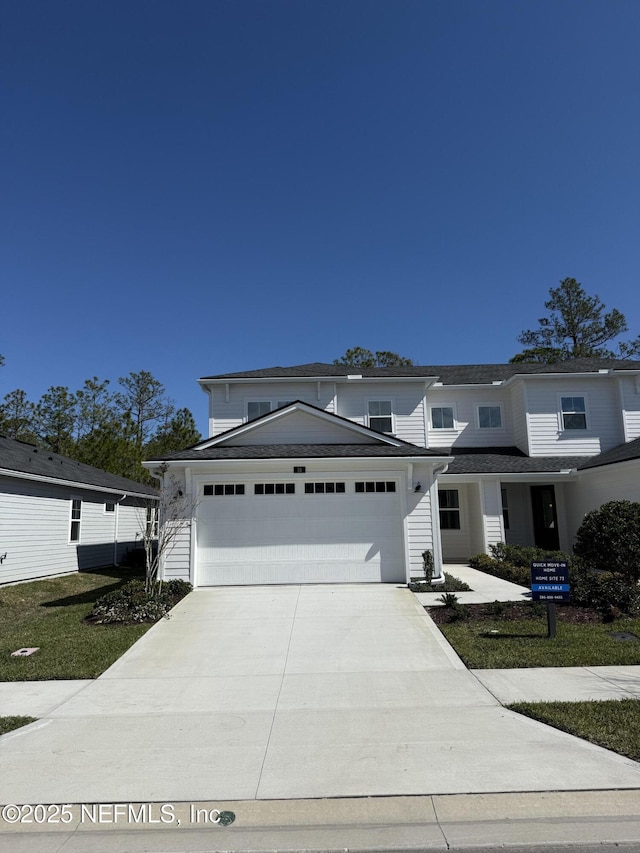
x: 517, y: 610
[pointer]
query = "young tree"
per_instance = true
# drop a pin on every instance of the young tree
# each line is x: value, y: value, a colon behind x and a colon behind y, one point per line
x: 16, y: 416
x: 163, y: 524
x: 576, y: 327
x: 364, y: 358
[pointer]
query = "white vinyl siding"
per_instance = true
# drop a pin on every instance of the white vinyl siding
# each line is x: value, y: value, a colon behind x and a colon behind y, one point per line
x: 519, y: 414
x: 407, y: 400
x: 35, y: 524
x: 630, y: 397
x: 225, y: 415
x: 466, y: 403
x: 547, y: 435
x: 459, y: 545
x: 596, y: 486
x: 302, y: 428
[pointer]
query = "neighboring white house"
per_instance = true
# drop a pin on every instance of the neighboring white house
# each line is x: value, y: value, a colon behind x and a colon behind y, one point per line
x: 58, y: 516
x: 323, y: 473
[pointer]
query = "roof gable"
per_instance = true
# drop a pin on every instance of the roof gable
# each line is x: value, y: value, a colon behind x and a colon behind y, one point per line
x: 299, y: 423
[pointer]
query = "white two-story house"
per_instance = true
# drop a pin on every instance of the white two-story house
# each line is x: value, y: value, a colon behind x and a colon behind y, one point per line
x: 324, y: 473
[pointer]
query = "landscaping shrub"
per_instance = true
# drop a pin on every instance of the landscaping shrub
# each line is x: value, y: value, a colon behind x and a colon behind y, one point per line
x: 427, y: 562
x: 513, y: 562
x: 451, y: 584
x: 456, y: 611
x: 609, y: 539
x: 131, y: 603
x: 612, y: 595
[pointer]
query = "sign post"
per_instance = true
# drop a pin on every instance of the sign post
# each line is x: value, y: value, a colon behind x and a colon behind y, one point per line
x: 550, y: 583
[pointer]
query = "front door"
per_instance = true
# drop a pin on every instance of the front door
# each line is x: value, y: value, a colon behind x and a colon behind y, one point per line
x: 545, y: 517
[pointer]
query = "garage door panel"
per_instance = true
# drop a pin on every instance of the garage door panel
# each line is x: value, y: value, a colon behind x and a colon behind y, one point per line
x: 301, y: 538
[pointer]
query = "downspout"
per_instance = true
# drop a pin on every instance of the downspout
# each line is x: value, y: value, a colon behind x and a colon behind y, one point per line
x: 438, y: 572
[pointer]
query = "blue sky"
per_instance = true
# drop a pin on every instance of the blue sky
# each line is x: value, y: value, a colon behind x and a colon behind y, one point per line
x: 206, y: 186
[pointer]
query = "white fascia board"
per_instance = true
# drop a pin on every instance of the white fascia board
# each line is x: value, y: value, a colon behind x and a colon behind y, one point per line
x: 532, y: 477
x: 300, y: 407
x: 594, y: 468
x: 88, y: 487
x: 300, y: 460
x: 591, y: 374
x: 245, y: 380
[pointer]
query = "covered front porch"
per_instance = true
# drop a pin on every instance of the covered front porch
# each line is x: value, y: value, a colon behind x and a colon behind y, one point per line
x: 526, y: 509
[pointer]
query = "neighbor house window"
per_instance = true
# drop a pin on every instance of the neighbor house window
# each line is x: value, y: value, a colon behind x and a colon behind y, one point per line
x: 574, y: 413
x: 442, y: 417
x: 152, y: 522
x: 505, y: 508
x: 489, y: 417
x: 449, y: 509
x: 109, y: 507
x: 76, y: 512
x: 380, y: 417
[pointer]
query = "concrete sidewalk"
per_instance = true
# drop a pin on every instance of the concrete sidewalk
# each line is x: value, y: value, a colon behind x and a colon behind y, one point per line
x: 484, y: 588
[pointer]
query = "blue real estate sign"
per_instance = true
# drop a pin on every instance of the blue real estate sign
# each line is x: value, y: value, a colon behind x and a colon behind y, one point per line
x: 550, y: 580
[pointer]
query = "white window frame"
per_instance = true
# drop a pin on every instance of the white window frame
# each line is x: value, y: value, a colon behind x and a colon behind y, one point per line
x: 73, y: 520
x: 391, y: 415
x: 498, y: 406
x: 111, y: 504
x: 451, y: 406
x: 451, y: 509
x: 562, y: 413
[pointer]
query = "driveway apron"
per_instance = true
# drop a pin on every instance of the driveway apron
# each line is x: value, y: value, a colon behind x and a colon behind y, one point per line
x: 292, y: 692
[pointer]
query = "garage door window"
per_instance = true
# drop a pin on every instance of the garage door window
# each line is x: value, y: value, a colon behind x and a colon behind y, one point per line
x: 376, y: 486
x: 224, y: 489
x: 324, y: 489
x: 274, y: 489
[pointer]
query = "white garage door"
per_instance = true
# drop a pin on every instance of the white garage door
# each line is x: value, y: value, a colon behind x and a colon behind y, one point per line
x: 262, y: 532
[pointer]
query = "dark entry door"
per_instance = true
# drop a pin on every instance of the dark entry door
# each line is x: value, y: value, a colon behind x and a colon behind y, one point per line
x: 545, y: 518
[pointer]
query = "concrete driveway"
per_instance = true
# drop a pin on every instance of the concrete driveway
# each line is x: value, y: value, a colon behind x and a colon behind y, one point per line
x: 292, y: 692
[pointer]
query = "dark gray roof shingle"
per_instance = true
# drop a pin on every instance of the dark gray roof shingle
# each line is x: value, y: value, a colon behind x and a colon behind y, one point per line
x: 298, y: 451
x: 622, y: 453
x: 27, y: 459
x: 448, y: 374
x: 507, y: 460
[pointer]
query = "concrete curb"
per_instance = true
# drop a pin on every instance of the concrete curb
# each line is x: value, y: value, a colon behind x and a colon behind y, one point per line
x: 439, y: 822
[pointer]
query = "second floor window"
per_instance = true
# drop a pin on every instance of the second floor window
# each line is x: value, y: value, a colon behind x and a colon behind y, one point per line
x: 380, y: 416
x: 574, y: 413
x: 489, y: 417
x: 442, y: 417
x: 258, y: 408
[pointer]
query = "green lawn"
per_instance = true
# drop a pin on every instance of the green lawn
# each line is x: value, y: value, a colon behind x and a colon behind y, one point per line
x: 49, y: 614
x: 8, y: 724
x: 614, y: 724
x: 524, y: 643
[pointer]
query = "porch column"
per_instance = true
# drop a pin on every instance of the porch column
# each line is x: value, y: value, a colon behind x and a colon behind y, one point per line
x: 491, y: 505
